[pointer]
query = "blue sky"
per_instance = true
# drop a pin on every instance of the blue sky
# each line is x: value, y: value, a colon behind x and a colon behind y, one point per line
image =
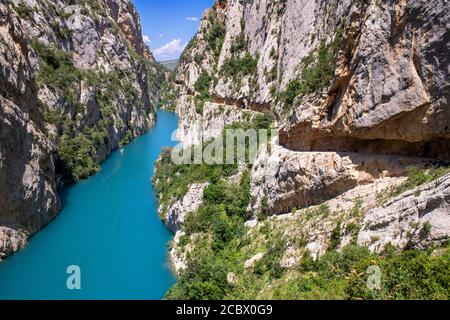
x: 167, y: 25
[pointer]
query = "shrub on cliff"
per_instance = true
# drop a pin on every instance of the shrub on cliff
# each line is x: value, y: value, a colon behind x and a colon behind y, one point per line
x: 202, y: 87
x: 78, y: 155
x: 317, y: 72
x: 56, y: 70
x: 216, y: 35
x: 239, y: 67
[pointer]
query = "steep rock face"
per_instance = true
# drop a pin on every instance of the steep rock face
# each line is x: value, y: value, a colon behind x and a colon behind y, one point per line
x: 190, y: 124
x: 390, y: 90
x: 195, y: 128
x: 258, y: 49
x: 177, y: 212
x: 127, y: 17
x: 360, y: 91
x: 289, y: 179
x: 11, y: 241
x: 76, y: 82
x: 177, y: 257
x: 28, y: 199
x: 174, y: 219
x: 383, y: 87
x: 417, y: 219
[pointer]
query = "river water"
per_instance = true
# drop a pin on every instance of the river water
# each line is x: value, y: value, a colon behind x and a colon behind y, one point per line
x: 109, y: 228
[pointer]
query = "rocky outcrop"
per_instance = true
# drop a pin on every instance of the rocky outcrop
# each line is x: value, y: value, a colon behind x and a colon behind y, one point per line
x: 389, y: 92
x: 191, y: 201
x: 196, y: 128
x: 28, y: 198
x: 11, y: 241
x: 417, y: 219
x: 76, y: 82
x: 288, y: 179
x: 127, y: 17
x: 178, y: 257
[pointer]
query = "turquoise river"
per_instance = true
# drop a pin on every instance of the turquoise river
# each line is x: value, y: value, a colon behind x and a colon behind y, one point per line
x: 109, y: 227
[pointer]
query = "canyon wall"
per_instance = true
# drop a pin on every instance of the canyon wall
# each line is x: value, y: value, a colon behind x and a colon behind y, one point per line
x: 76, y: 83
x: 360, y: 94
x: 371, y: 75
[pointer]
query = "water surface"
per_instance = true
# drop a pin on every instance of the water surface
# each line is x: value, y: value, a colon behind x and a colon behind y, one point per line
x: 109, y: 227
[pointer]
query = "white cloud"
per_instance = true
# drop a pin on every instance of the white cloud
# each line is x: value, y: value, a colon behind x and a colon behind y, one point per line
x: 171, y: 50
x: 146, y: 39
x: 192, y: 18
x: 161, y: 35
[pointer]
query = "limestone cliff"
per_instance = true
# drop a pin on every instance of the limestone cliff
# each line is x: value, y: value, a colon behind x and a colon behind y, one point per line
x: 76, y: 82
x: 360, y: 93
x: 371, y: 74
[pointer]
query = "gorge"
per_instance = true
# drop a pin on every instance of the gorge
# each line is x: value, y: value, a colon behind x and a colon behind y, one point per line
x: 76, y: 83
x: 109, y: 227
x: 357, y: 178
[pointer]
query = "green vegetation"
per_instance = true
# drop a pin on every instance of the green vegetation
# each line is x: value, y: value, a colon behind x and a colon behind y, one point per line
x: 272, y: 74
x: 78, y: 155
x: 78, y: 147
x: 411, y: 274
x: 23, y: 10
x: 172, y: 180
x: 216, y: 35
x: 186, y: 55
x: 238, y: 67
x: 270, y: 265
x: 335, y: 239
x: 416, y: 178
x: 221, y: 245
x: 57, y: 71
x: 239, y: 44
x: 126, y: 138
x: 317, y: 73
x: 320, y: 211
x: 77, y: 152
x: 263, y: 213
x: 169, y: 94
x: 407, y: 275
x: 202, y: 87
x: 199, y: 57
x: 263, y: 120
x: 221, y: 217
x: 94, y: 5
x: 426, y: 229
